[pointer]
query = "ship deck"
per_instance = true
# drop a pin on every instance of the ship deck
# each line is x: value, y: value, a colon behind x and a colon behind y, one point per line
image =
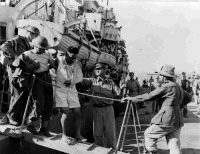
x: 53, y: 143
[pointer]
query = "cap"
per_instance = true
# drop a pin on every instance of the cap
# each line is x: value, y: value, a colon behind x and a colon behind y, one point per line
x: 97, y: 66
x: 167, y: 70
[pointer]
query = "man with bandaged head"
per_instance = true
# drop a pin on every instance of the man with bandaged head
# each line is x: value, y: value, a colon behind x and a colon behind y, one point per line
x: 69, y: 73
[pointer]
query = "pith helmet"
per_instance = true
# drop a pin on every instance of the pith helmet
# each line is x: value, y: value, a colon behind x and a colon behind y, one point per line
x: 33, y: 30
x: 41, y: 42
x: 167, y: 70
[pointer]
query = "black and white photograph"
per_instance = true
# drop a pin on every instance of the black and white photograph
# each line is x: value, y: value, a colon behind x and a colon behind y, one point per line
x: 99, y: 76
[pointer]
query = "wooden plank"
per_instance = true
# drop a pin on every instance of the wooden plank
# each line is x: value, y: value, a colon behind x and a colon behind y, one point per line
x: 55, y: 142
x: 10, y: 130
x: 3, y: 137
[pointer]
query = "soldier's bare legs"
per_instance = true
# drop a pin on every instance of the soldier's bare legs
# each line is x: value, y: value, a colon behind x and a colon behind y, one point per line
x: 65, y: 111
x: 77, y: 112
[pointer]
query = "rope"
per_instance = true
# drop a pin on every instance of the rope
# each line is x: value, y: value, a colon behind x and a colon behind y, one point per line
x: 66, y: 9
x: 119, y: 100
x: 94, y: 37
x: 87, y: 42
x: 42, y: 19
x: 35, y: 11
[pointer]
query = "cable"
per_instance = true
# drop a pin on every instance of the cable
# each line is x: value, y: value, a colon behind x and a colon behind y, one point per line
x: 119, y: 100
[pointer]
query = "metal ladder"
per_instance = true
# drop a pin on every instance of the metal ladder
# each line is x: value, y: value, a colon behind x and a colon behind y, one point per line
x: 125, y: 124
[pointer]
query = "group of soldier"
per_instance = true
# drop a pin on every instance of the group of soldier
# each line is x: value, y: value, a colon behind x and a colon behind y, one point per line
x: 28, y: 60
x: 31, y: 64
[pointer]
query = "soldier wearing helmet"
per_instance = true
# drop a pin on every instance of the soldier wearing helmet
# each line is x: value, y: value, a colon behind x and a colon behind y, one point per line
x: 17, y: 45
x: 32, y: 32
x: 42, y: 92
x: 11, y: 50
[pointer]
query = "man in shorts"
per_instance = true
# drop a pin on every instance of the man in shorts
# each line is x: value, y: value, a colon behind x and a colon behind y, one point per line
x: 68, y: 74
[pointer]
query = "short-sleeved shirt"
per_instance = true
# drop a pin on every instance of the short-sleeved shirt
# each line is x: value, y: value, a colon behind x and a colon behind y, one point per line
x: 43, y: 59
x: 133, y: 87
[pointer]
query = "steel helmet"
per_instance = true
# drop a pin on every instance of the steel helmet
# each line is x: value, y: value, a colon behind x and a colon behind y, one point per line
x: 41, y: 42
x: 33, y: 30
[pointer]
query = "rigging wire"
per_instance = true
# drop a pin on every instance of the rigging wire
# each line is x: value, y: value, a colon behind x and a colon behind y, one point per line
x: 35, y: 11
x: 42, y: 19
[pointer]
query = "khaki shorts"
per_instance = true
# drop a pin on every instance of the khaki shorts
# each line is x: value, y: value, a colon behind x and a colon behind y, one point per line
x: 65, y: 98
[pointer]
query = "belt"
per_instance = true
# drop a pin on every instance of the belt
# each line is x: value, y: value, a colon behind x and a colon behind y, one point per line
x: 42, y: 73
x: 101, y: 105
x: 133, y: 91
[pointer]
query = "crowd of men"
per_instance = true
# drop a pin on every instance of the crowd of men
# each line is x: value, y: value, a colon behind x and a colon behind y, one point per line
x: 31, y: 65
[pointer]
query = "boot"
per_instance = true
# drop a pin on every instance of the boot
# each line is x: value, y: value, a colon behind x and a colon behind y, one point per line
x: 13, y: 122
x: 44, y: 130
x: 31, y: 128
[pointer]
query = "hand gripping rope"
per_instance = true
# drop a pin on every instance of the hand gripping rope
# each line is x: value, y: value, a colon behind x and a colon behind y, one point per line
x: 119, y: 100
